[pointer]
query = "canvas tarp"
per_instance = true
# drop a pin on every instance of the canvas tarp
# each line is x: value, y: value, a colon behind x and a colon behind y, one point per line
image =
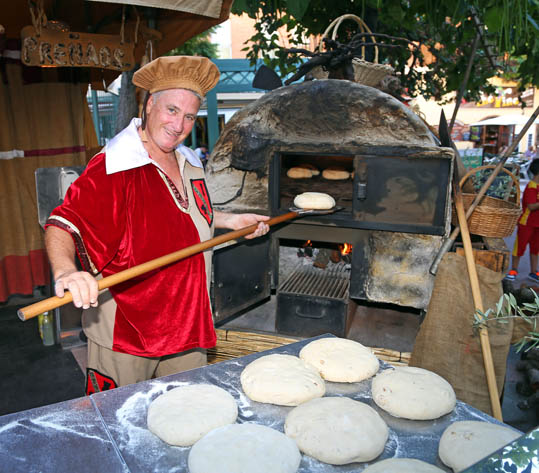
x: 447, y: 343
x: 211, y: 8
x: 44, y: 124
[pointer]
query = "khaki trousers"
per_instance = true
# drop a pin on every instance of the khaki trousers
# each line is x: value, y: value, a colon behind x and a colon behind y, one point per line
x: 126, y: 369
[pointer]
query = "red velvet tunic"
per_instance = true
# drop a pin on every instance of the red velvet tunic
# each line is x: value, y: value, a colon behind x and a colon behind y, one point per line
x: 122, y: 219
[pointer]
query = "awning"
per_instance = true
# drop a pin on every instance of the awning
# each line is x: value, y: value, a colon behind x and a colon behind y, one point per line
x: 505, y: 120
x: 211, y: 8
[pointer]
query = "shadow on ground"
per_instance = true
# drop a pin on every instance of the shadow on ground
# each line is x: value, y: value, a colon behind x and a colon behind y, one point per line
x: 32, y: 374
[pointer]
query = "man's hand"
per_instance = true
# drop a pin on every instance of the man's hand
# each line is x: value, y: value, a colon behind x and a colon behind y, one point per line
x: 237, y: 221
x: 61, y: 252
x: 81, y: 285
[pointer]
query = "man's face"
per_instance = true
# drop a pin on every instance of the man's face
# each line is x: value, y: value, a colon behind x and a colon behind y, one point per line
x: 171, y: 116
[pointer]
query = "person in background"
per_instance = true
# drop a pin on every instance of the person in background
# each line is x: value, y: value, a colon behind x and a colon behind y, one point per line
x: 528, y: 227
x: 531, y: 152
x: 202, y: 153
x: 144, y: 196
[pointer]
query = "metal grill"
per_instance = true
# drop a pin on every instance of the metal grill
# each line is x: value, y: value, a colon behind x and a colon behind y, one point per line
x: 331, y: 283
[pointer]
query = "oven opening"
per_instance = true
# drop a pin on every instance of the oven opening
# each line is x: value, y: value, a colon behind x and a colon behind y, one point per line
x: 307, y: 255
x: 329, y: 174
x: 313, y: 292
x: 376, y: 191
x: 322, y: 256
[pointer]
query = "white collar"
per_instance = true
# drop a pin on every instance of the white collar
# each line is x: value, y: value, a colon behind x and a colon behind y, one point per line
x: 126, y: 151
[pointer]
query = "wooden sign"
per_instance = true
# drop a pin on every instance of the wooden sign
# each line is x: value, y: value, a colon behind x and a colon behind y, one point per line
x: 70, y: 49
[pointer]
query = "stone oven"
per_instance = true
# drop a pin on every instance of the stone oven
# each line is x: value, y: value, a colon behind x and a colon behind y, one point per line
x: 396, y: 202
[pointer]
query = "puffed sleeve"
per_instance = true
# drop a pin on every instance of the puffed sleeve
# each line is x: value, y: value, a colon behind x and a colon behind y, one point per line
x: 93, y: 212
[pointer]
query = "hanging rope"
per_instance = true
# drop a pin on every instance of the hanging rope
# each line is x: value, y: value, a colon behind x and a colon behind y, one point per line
x: 148, y: 54
x: 37, y: 12
x: 123, y: 25
x: 136, y: 25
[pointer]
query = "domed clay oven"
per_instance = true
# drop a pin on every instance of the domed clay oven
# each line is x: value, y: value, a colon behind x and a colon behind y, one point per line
x: 395, y: 202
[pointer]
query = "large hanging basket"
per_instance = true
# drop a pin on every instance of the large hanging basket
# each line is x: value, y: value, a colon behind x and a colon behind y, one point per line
x: 365, y: 72
x: 493, y: 217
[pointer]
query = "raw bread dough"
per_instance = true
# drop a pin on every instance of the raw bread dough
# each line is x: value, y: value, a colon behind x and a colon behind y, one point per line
x: 314, y: 200
x: 340, y: 360
x: 284, y: 380
x: 244, y: 448
x: 402, y: 465
x: 337, y: 430
x: 335, y: 173
x: 183, y: 415
x: 466, y: 442
x: 299, y: 172
x: 413, y: 393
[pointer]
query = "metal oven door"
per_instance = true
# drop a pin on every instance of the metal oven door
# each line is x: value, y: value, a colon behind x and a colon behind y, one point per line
x: 241, y: 276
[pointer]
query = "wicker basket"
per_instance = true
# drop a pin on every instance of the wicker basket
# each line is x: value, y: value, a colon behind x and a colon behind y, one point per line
x: 492, y: 217
x: 365, y: 72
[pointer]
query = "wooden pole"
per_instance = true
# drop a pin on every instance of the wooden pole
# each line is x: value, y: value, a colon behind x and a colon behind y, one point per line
x: 478, y: 303
x: 464, y: 82
x: 477, y: 200
x: 45, y: 305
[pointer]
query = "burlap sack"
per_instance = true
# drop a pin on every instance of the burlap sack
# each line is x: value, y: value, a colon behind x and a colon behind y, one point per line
x: 522, y: 328
x: 447, y: 344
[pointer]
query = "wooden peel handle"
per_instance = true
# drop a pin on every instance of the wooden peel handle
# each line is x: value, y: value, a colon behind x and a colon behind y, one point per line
x: 478, y: 303
x: 45, y: 305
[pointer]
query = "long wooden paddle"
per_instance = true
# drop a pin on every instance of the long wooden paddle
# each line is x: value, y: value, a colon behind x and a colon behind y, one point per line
x: 478, y: 302
x: 45, y: 305
x: 477, y: 200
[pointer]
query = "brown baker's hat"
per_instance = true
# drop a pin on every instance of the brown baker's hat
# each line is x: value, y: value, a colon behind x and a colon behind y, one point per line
x: 194, y: 73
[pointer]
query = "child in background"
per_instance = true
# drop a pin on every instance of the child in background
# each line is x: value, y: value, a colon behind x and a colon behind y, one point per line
x: 528, y: 227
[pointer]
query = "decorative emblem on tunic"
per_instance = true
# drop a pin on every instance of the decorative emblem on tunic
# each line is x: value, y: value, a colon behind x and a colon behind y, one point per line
x: 202, y: 199
x: 97, y: 382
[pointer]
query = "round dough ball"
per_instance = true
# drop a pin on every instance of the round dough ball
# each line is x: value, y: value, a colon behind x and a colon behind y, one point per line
x: 299, y: 172
x: 244, y: 448
x: 466, y: 442
x: 314, y: 200
x: 413, y: 393
x: 340, y: 360
x: 337, y: 430
x: 284, y: 380
x: 183, y: 415
x: 402, y: 465
x: 335, y: 173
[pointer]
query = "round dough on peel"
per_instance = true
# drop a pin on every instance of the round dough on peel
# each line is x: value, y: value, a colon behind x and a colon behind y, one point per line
x: 337, y: 430
x: 284, y: 380
x: 413, y: 393
x: 314, y: 200
x: 402, y: 465
x: 244, y: 448
x: 466, y: 442
x: 340, y: 360
x: 183, y: 415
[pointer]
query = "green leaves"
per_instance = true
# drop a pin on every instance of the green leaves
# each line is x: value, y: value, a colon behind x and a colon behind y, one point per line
x: 532, y: 21
x: 244, y: 6
x: 494, y: 19
x: 508, y: 308
x: 445, y: 30
x: 199, y: 45
x: 297, y: 8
